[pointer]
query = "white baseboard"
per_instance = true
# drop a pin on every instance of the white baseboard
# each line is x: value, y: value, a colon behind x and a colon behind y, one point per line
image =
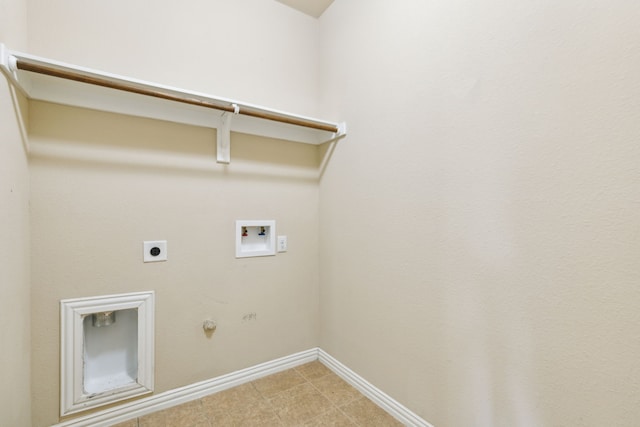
x: 198, y: 390
x: 386, y: 402
x: 180, y: 395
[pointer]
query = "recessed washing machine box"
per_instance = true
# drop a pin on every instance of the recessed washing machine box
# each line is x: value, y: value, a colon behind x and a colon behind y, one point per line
x: 106, y: 350
x: 255, y: 238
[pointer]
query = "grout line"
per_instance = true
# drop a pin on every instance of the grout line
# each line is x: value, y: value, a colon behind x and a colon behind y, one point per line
x: 347, y: 415
x: 335, y: 405
x: 354, y: 422
x: 308, y: 381
x: 268, y: 401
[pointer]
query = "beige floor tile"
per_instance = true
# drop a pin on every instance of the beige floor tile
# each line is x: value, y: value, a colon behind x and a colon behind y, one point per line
x: 300, y: 404
x: 188, y: 414
x: 230, y: 400
x: 334, y: 388
x: 313, y: 370
x: 259, y: 413
x: 276, y: 383
x: 156, y: 419
x: 219, y: 419
x: 309, y: 395
x: 130, y: 423
x: 332, y: 418
x: 366, y: 413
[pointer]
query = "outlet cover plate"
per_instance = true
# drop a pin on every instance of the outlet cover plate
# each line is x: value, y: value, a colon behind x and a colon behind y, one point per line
x: 282, y: 244
x: 154, y: 250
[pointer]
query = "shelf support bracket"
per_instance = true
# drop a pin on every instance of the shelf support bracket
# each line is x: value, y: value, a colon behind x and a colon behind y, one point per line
x: 223, y: 137
x: 342, y: 132
x: 8, y: 65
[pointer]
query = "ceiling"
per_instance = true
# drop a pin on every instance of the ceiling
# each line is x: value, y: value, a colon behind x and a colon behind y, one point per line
x: 314, y: 8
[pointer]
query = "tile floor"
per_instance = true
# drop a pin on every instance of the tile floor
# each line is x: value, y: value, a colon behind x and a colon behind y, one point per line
x: 308, y: 395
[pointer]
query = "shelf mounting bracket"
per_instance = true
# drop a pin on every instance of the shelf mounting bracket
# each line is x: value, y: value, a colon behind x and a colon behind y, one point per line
x: 223, y: 137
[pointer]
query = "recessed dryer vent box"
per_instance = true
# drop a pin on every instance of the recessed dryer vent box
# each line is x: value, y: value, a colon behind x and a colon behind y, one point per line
x: 255, y: 238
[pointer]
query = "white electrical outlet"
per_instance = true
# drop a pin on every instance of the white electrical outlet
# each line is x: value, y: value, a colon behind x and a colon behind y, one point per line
x: 282, y: 243
x: 154, y: 250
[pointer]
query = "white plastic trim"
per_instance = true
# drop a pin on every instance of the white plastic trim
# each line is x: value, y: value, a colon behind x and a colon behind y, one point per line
x: 73, y: 398
x: 194, y: 391
x: 386, y: 402
x: 198, y: 390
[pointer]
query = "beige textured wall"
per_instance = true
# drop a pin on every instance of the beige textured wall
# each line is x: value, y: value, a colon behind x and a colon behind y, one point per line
x: 103, y: 183
x: 15, y: 387
x: 479, y: 225
x: 15, y: 311
x: 255, y: 51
